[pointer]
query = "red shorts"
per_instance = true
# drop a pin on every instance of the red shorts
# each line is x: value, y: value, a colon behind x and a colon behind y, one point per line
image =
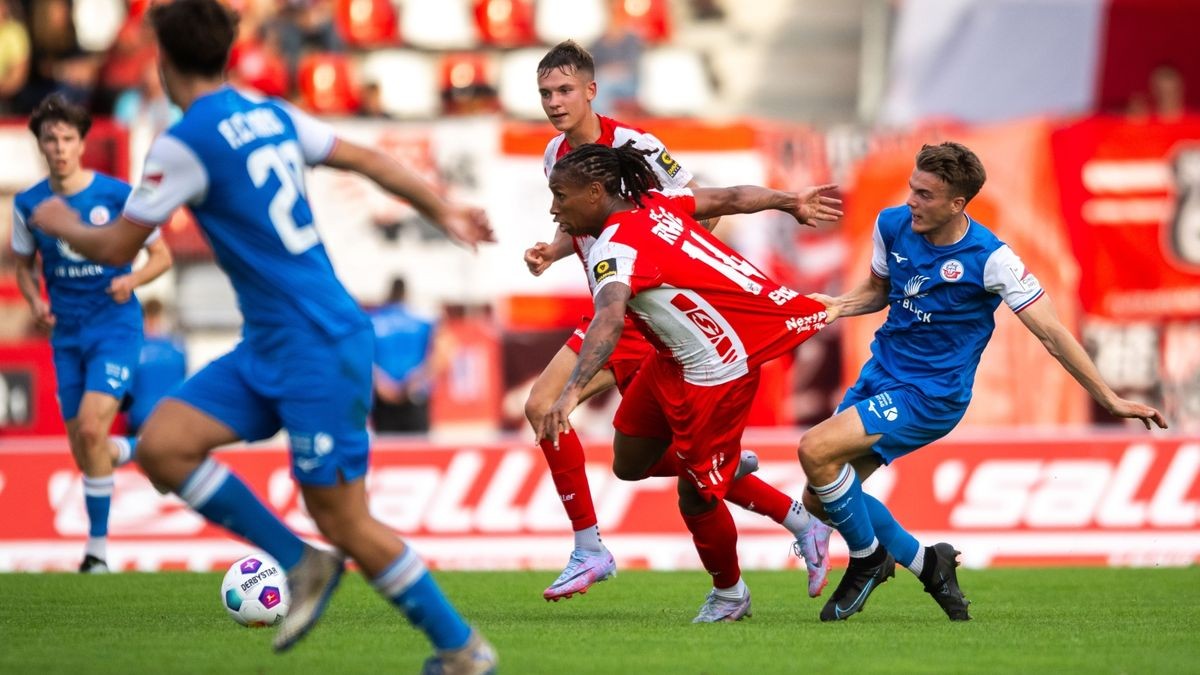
x: 704, y: 424
x: 626, y: 358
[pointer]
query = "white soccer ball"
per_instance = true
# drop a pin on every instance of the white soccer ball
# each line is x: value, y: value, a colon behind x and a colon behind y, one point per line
x: 255, y: 591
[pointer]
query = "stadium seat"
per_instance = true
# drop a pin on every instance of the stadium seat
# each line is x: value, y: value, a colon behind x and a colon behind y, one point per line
x: 406, y: 80
x: 518, y: 83
x: 674, y: 82
x: 579, y: 20
x: 650, y: 19
x: 505, y: 23
x: 468, y: 83
x: 328, y: 84
x: 438, y: 24
x: 97, y: 23
x: 366, y: 23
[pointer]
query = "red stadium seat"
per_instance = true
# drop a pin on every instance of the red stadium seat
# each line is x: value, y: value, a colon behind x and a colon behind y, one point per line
x: 468, y: 83
x: 651, y: 19
x: 328, y: 84
x: 505, y: 23
x: 366, y: 23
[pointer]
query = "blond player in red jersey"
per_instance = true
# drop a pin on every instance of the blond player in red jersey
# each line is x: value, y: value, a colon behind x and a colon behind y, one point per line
x: 566, y: 85
x: 713, y: 319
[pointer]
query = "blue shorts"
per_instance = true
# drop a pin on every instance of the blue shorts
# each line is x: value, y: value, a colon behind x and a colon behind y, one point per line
x: 100, y: 355
x: 901, y: 412
x: 316, y: 387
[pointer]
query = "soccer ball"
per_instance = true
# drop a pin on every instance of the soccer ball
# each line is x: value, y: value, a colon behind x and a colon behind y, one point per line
x: 255, y: 591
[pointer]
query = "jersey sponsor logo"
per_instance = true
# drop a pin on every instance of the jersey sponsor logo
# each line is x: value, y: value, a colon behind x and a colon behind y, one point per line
x: 668, y: 163
x: 883, y: 407
x: 899, y: 258
x: 804, y: 324
x: 65, y: 250
x: 709, y: 327
x: 99, y: 215
x: 1024, y: 278
x: 952, y: 270
x: 912, y: 288
x: 604, y: 269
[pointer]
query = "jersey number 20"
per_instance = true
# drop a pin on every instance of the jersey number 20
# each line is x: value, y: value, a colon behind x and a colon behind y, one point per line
x: 287, y: 163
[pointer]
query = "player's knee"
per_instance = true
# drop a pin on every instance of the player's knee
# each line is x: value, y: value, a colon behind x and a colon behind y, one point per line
x: 811, y: 452
x: 624, y: 469
x: 92, y: 436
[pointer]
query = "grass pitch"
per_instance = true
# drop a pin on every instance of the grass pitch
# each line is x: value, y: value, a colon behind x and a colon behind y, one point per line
x: 1025, y: 620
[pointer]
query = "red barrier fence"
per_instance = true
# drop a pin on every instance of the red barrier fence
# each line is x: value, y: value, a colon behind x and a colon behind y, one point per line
x: 1003, y: 499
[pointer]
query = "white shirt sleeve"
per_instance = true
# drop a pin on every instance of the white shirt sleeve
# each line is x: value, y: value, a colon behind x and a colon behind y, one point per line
x: 1005, y: 275
x: 23, y: 242
x: 609, y: 262
x: 173, y: 176
x: 879, y: 254
x: 669, y: 170
x: 317, y: 138
x: 550, y: 156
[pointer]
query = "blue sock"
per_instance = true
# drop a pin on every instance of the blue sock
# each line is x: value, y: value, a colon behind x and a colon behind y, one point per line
x: 847, y: 510
x: 126, y: 449
x: 902, y: 545
x: 97, y: 498
x: 410, y: 587
x: 224, y: 500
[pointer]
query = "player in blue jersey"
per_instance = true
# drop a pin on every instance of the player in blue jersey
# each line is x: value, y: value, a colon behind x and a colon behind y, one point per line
x: 942, y: 275
x: 93, y: 315
x: 304, y: 363
x: 404, y: 342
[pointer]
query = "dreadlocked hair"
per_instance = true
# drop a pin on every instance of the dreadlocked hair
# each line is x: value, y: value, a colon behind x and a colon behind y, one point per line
x: 622, y: 171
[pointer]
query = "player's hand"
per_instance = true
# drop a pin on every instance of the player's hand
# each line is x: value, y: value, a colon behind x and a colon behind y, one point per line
x: 54, y: 217
x: 557, y: 419
x: 1134, y: 410
x: 467, y: 225
x: 833, y: 308
x: 814, y: 206
x: 537, y: 258
x: 121, y: 288
x: 42, y: 316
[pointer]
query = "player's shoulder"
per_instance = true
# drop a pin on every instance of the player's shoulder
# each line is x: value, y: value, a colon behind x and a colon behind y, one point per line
x: 31, y: 196
x: 550, y: 156
x: 107, y: 184
x: 619, y: 127
x: 892, y: 219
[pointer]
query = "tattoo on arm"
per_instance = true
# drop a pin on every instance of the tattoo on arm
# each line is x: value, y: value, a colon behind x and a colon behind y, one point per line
x: 602, y: 334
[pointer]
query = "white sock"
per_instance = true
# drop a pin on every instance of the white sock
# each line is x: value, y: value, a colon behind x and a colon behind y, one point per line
x: 97, y: 546
x: 124, y: 452
x: 588, y: 539
x: 866, y: 551
x: 734, y: 592
x: 918, y: 564
x: 798, y: 520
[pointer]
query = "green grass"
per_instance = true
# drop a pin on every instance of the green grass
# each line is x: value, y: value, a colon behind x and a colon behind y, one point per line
x: 1026, y: 620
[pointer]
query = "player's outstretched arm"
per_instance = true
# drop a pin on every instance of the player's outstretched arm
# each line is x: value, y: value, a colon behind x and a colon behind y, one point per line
x: 31, y: 288
x: 158, y: 261
x: 809, y: 206
x: 869, y: 297
x: 114, y: 244
x: 540, y: 256
x: 602, y: 335
x: 1041, y: 320
x: 464, y: 224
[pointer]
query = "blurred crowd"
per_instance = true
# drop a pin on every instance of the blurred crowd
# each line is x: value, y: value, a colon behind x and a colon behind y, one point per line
x: 100, y: 53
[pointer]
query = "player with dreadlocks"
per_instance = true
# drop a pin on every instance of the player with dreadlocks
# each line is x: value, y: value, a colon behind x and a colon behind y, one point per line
x: 713, y: 319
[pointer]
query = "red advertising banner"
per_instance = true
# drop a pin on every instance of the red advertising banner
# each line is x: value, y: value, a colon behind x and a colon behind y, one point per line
x: 1130, y: 195
x: 1120, y: 499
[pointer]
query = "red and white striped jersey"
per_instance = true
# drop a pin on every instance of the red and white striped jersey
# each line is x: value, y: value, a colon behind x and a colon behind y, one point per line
x: 696, y: 299
x: 615, y: 134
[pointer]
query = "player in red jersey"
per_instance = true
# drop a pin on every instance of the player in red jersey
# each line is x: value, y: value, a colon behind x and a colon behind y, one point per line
x: 566, y: 85
x: 712, y: 317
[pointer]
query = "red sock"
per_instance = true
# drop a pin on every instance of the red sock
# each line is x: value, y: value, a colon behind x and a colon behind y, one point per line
x: 566, y: 469
x: 716, y: 541
x: 667, y: 465
x: 754, y: 494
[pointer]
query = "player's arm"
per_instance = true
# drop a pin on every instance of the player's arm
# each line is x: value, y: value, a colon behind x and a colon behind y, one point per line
x: 114, y: 244
x: 540, y: 256
x: 709, y: 224
x: 465, y: 224
x: 808, y: 206
x: 31, y: 289
x: 158, y: 261
x: 1041, y: 320
x: 598, y: 345
x: 867, y: 298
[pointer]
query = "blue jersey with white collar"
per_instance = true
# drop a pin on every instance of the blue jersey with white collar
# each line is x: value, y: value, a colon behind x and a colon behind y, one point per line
x: 941, y: 302
x: 237, y: 160
x: 77, y: 287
